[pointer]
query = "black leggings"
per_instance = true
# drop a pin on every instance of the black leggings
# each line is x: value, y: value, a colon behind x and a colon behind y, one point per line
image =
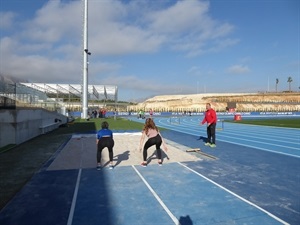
x: 211, y: 133
x: 153, y: 141
x: 103, y: 143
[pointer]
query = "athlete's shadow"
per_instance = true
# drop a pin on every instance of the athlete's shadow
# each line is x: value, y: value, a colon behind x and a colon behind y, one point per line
x: 204, y: 139
x: 185, y: 220
x: 154, y: 156
x: 121, y: 157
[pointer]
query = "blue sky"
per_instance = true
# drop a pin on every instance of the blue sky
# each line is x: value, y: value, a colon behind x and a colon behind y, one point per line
x: 157, y: 47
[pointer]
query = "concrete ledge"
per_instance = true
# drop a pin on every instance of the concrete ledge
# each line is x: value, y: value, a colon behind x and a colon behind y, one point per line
x: 48, y: 127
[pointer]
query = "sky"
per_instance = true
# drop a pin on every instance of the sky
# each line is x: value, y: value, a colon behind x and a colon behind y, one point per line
x: 158, y: 47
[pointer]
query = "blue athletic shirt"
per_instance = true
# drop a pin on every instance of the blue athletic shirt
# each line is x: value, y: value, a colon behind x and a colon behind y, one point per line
x: 104, y: 133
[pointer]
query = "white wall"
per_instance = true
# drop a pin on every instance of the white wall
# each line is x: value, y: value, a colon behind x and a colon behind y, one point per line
x: 20, y: 125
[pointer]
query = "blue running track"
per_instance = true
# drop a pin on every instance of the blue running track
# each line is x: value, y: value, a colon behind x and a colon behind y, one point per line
x: 254, y: 180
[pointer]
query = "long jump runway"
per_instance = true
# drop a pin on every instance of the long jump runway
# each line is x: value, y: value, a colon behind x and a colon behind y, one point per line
x: 171, y: 194
x: 244, y: 184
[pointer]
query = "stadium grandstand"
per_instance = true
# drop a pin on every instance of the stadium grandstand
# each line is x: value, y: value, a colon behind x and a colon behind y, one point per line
x: 73, y: 91
x: 56, y: 96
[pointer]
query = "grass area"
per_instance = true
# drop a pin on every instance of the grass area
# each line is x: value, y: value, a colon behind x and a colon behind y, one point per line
x: 7, y: 147
x: 120, y: 124
x: 84, y: 126
x: 81, y: 125
x: 291, y: 123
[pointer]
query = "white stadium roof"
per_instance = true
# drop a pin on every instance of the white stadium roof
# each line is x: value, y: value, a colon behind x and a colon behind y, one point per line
x: 95, y: 92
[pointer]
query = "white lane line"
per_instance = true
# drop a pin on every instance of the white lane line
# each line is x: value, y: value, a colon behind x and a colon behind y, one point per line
x: 263, y: 149
x: 265, y: 140
x: 72, y: 210
x: 236, y: 195
x: 71, y: 214
x: 175, y: 220
x: 200, y: 133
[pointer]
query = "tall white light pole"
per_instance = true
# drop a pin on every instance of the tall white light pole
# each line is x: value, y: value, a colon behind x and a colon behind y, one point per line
x: 85, y: 63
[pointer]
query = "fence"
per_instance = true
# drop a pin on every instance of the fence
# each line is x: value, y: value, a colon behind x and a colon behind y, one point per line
x: 16, y: 95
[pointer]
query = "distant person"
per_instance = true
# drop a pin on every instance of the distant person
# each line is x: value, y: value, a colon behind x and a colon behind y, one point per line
x: 95, y: 113
x: 210, y: 118
x: 154, y: 138
x: 115, y: 114
x: 104, y: 113
x: 151, y: 113
x: 143, y: 114
x: 105, y: 140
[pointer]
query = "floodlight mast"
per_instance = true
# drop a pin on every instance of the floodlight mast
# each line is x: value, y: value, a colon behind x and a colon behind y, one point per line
x: 85, y: 63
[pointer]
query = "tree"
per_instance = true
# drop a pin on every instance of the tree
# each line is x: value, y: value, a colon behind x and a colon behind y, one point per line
x: 277, y: 81
x: 290, y: 80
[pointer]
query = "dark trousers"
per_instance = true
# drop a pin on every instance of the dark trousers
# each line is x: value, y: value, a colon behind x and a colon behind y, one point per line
x: 211, y: 133
x: 105, y: 142
x: 150, y: 142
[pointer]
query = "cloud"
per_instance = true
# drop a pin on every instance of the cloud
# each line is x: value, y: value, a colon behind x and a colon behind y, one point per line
x: 180, y: 18
x: 47, y: 25
x: 194, y: 71
x: 7, y: 20
x: 238, y: 69
x: 121, y: 40
x: 134, y: 82
x: 189, y: 28
x: 184, y: 27
x: 117, y: 28
x: 46, y: 48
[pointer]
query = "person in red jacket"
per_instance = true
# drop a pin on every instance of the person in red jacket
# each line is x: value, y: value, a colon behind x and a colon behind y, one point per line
x: 210, y: 119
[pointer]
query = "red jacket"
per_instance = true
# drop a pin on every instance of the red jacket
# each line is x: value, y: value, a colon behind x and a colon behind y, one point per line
x: 210, y: 117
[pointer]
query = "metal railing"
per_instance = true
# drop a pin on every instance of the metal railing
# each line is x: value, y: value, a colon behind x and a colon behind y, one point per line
x: 15, y: 95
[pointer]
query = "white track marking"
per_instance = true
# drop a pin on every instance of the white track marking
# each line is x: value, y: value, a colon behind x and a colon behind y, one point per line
x: 71, y: 214
x: 243, y: 199
x: 175, y: 220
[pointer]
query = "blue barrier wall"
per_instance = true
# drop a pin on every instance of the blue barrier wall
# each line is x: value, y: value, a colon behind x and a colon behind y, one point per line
x: 225, y: 114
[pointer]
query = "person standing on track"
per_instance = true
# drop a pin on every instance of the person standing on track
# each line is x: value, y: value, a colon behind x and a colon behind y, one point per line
x: 105, y: 140
x: 154, y: 138
x: 151, y: 113
x: 210, y: 118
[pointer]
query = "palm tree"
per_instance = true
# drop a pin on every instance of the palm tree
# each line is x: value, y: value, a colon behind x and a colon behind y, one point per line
x: 277, y: 81
x: 290, y: 80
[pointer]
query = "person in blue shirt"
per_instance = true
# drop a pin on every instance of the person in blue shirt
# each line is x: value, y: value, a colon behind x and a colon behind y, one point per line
x: 105, y: 140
